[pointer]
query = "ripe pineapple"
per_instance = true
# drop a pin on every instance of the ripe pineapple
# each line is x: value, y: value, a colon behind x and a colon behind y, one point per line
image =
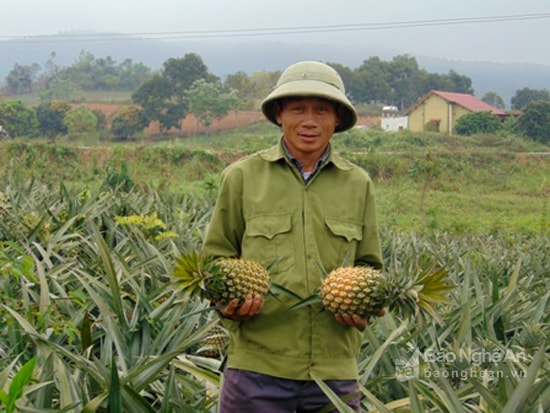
x: 221, y: 280
x: 214, y: 344
x: 365, y: 291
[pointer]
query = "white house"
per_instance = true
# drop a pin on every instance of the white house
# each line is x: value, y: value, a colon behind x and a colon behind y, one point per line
x: 391, y: 121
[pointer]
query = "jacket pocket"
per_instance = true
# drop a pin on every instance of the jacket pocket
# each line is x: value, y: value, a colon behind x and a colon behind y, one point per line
x: 267, y: 240
x: 343, y: 239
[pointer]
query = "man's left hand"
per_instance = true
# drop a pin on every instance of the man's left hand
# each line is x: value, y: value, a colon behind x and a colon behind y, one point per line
x: 251, y: 306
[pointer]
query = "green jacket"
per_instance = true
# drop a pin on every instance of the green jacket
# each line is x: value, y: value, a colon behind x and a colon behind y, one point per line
x: 265, y: 212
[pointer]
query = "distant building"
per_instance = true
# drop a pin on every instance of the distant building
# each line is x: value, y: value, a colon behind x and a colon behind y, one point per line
x: 391, y: 121
x: 438, y: 111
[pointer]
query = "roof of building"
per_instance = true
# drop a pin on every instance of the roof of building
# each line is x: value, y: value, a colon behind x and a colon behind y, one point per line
x: 465, y: 100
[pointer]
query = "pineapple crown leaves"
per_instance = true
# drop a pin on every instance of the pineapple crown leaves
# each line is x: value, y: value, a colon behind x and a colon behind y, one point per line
x: 220, y: 279
x: 418, y: 296
x: 435, y: 285
x: 410, y: 297
x: 193, y: 274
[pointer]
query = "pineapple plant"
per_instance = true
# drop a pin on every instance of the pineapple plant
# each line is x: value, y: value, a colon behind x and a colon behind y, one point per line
x: 221, y: 280
x: 365, y: 291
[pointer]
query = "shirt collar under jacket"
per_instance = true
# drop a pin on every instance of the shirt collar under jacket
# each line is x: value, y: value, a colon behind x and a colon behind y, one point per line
x: 306, y: 175
x: 278, y: 152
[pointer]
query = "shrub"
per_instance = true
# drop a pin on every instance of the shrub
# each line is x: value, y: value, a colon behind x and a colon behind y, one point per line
x: 128, y: 121
x: 50, y: 117
x: 17, y: 118
x: 477, y: 122
x: 432, y: 125
x: 535, y: 121
x: 80, y: 122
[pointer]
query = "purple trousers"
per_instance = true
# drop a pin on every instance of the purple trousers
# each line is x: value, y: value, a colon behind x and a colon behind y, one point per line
x: 248, y: 392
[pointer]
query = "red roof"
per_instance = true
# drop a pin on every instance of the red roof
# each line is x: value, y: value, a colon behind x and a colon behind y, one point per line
x: 465, y: 100
x: 468, y: 102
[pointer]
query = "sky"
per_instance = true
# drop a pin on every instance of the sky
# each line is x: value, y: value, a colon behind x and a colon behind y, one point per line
x: 471, y: 30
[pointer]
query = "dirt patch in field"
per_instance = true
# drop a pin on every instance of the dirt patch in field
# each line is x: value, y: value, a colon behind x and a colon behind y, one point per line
x: 191, y: 126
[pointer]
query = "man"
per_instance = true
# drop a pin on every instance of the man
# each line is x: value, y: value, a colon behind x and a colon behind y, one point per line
x: 301, y: 206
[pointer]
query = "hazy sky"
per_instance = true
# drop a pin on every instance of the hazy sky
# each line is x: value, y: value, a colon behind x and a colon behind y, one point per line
x: 438, y: 28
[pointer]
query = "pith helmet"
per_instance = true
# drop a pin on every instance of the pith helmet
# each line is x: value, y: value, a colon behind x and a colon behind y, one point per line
x: 312, y: 79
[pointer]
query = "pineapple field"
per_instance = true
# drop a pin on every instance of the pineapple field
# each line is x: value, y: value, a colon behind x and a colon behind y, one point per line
x: 92, y: 319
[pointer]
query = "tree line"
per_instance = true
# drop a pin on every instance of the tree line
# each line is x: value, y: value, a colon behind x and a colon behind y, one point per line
x: 185, y: 85
x: 88, y: 73
x: 398, y: 82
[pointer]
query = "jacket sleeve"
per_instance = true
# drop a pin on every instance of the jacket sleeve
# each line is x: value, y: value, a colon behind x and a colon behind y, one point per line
x: 225, y: 230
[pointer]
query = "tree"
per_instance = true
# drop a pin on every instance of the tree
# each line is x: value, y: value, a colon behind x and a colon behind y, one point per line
x: 57, y: 88
x: 155, y: 97
x: 526, y: 95
x: 163, y: 96
x: 433, y: 81
x: 373, y: 81
x: 127, y: 122
x: 20, y: 78
x: 101, y: 118
x: 461, y: 83
x: 477, y: 122
x: 50, y: 117
x: 131, y: 74
x: 243, y: 86
x: 90, y: 73
x: 264, y: 82
x: 208, y: 102
x: 80, y: 122
x: 535, y: 121
x: 81, y: 72
x: 403, y: 70
x: 400, y: 82
x: 182, y: 73
x: 17, y: 118
x: 493, y: 99
x: 349, y: 77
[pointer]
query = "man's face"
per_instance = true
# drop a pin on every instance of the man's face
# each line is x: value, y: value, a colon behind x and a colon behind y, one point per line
x: 307, y: 125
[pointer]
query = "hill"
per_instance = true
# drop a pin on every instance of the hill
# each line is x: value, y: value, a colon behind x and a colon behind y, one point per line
x: 224, y: 57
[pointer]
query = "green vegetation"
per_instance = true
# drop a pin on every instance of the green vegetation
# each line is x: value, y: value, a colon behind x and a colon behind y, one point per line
x: 535, y: 120
x: 208, y: 102
x: 185, y: 86
x: 90, y: 320
x: 527, y: 95
x: 478, y: 122
x: 400, y: 80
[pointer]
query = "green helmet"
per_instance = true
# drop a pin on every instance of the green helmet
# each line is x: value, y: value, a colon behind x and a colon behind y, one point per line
x: 312, y: 79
